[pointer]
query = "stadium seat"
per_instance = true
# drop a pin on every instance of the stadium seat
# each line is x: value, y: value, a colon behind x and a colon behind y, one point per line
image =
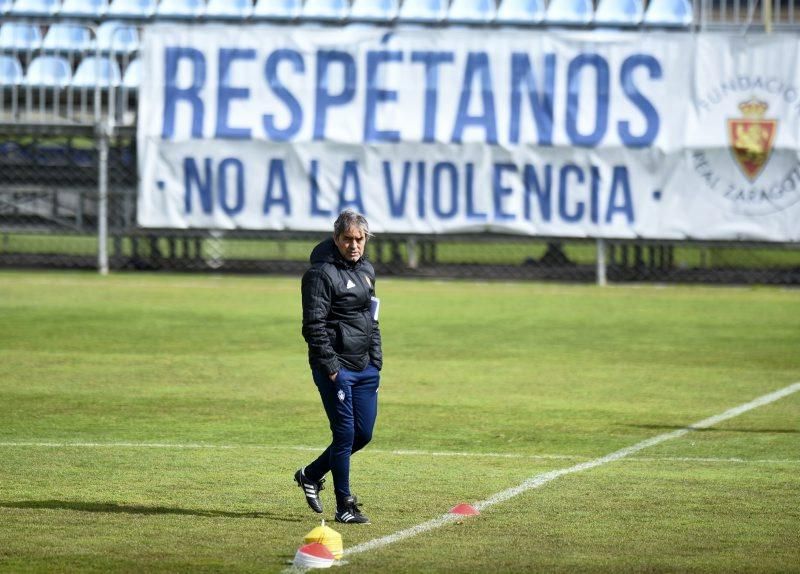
x: 374, y: 11
x: 35, y: 8
x: 669, y: 13
x: 471, y: 12
x: 97, y: 71
x: 117, y: 37
x: 132, y: 77
x: 138, y: 9
x: 49, y: 72
x: 68, y: 38
x: 423, y: 11
x: 10, y: 71
x: 619, y: 13
x: 5, y: 6
x: 325, y: 10
x: 84, y: 9
x: 570, y: 12
x: 278, y: 9
x: 181, y: 9
x: 229, y: 9
x: 521, y: 12
x: 20, y: 37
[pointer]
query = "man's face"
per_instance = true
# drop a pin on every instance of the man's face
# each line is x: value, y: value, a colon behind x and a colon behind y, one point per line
x: 351, y: 244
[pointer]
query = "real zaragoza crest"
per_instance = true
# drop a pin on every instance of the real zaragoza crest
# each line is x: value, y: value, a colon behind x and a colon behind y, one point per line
x: 751, y: 138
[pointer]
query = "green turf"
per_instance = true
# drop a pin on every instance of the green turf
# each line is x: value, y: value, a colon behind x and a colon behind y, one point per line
x: 505, y: 251
x: 549, y: 375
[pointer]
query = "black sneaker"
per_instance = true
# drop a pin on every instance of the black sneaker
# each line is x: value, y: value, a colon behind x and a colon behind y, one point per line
x: 350, y: 513
x: 310, y: 489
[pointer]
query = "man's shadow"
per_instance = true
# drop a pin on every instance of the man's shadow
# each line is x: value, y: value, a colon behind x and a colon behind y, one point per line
x: 115, y: 508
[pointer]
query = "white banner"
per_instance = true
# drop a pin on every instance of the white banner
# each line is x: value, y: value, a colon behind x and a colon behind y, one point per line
x: 623, y: 135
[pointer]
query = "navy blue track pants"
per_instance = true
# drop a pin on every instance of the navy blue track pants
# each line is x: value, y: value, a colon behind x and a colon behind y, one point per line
x: 351, y: 403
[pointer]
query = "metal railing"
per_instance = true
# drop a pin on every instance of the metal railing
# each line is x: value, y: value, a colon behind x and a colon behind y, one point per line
x: 60, y: 84
x: 747, y: 15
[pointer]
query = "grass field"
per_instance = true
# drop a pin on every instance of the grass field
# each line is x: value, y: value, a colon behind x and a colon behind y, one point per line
x: 509, y: 251
x: 152, y: 423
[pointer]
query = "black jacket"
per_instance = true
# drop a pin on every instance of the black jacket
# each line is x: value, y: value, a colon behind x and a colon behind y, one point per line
x: 337, y: 322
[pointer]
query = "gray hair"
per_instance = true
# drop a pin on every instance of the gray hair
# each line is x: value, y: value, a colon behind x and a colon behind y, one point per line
x: 349, y: 218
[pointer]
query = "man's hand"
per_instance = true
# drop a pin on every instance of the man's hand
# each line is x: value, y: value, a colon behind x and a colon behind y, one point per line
x: 333, y: 376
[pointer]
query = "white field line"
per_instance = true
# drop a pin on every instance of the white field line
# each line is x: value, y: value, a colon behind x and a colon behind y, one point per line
x: 544, y: 478
x: 399, y: 452
x: 178, y: 446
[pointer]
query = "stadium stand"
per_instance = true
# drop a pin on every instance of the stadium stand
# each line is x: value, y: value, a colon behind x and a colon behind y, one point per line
x: 11, y: 79
x: 67, y: 38
x: 669, y: 13
x: 471, y: 12
x: 280, y: 10
x: 659, y: 13
x: 234, y: 10
x: 20, y: 37
x: 65, y: 65
x: 91, y: 9
x: 98, y: 71
x: 374, y: 11
x: 49, y: 71
x: 181, y: 9
x: 134, y: 9
x: 133, y: 75
x: 325, y: 10
x: 619, y: 13
x: 569, y: 12
x: 35, y: 8
x: 11, y: 73
x: 520, y: 12
x: 422, y: 11
x: 117, y: 37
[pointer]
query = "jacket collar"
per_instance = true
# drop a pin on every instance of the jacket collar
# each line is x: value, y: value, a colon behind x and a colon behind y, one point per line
x: 327, y: 252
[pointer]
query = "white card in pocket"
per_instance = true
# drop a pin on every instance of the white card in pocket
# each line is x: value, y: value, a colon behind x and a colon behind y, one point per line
x: 374, y: 307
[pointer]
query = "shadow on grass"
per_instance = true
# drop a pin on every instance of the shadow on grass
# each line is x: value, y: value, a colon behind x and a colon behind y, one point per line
x: 713, y: 429
x: 114, y: 508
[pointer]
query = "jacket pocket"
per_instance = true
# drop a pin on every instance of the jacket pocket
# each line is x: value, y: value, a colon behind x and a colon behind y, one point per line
x: 353, y: 341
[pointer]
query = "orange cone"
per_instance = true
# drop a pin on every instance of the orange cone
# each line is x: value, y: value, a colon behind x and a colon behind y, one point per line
x: 314, y: 555
x: 464, y: 510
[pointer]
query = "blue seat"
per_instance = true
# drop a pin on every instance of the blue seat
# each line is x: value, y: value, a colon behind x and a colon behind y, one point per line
x: 97, y: 71
x: 117, y: 37
x: 570, y: 12
x: 471, y: 12
x: 619, y: 13
x: 229, y: 9
x: 423, y: 11
x: 669, y: 13
x: 325, y: 10
x: 374, y: 11
x: 35, y: 8
x: 278, y: 9
x: 181, y: 9
x: 138, y: 9
x: 20, y: 37
x: 84, y: 9
x: 10, y: 71
x: 71, y: 38
x: 521, y: 12
x: 132, y: 77
x: 49, y: 72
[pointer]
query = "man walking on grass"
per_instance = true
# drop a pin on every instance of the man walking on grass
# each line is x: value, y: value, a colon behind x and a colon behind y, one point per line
x: 340, y: 325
